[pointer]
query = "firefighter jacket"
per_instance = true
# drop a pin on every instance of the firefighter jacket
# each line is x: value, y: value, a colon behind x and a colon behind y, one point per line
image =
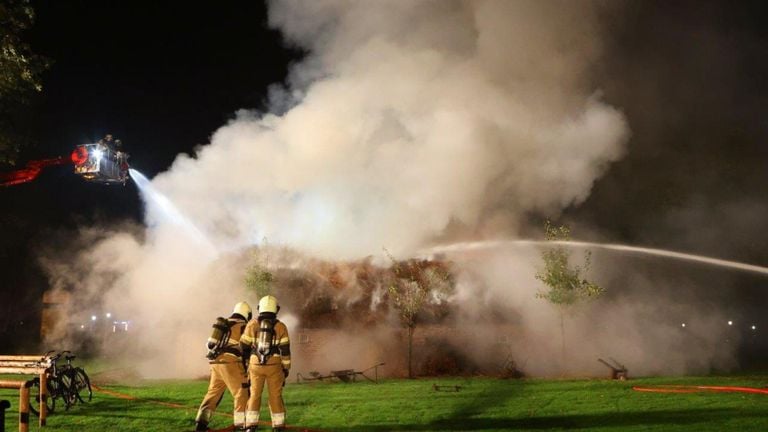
x: 281, y: 343
x: 231, y: 351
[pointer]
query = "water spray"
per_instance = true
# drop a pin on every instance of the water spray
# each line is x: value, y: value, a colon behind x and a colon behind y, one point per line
x: 495, y: 244
x: 169, y: 211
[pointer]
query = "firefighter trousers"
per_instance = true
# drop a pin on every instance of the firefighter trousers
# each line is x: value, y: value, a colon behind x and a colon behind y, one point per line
x: 225, y: 375
x: 274, y: 377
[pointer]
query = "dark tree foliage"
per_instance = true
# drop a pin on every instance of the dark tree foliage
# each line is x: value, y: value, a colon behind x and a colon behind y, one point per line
x: 20, y: 71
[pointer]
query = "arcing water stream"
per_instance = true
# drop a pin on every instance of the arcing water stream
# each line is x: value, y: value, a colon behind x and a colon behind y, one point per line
x: 167, y: 209
x: 494, y: 244
x: 170, y: 212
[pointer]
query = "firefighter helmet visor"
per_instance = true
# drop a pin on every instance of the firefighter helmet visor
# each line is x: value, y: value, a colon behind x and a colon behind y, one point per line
x: 268, y: 304
x: 244, y: 309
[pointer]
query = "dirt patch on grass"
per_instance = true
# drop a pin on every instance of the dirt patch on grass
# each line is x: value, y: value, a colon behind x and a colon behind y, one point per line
x: 116, y: 376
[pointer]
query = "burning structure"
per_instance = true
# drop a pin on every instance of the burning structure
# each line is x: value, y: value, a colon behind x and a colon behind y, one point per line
x: 401, y: 126
x: 344, y: 306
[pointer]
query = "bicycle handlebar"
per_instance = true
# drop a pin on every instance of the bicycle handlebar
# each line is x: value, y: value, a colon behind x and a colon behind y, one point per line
x: 66, y: 353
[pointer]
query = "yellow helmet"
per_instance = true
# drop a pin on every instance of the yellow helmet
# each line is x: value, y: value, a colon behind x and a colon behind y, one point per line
x: 268, y: 304
x: 244, y: 309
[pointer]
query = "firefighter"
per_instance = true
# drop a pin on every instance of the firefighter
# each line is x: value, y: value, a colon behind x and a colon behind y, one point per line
x: 227, y: 367
x: 266, y: 340
x: 111, y: 143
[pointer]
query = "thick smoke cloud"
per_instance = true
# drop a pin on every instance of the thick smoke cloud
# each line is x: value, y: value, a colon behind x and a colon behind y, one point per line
x: 405, y: 121
x: 414, y: 116
x: 638, y: 321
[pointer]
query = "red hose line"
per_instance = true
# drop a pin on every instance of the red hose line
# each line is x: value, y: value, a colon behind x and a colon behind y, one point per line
x: 696, y: 389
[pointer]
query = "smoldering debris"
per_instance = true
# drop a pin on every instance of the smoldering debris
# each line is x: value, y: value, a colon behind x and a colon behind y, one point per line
x: 489, y: 307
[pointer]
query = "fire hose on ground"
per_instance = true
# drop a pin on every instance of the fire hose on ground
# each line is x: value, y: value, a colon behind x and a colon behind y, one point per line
x: 699, y: 389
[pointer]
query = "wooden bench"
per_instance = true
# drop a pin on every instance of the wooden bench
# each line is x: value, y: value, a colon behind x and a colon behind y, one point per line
x: 27, y: 365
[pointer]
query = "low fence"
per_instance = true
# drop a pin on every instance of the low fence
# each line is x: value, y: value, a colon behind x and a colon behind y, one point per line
x: 27, y: 365
x: 23, y: 387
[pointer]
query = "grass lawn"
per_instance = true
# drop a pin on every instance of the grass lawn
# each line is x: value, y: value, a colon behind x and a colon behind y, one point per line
x: 483, y: 404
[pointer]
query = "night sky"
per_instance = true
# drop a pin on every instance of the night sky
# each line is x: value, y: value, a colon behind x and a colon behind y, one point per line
x: 163, y: 76
x: 160, y: 76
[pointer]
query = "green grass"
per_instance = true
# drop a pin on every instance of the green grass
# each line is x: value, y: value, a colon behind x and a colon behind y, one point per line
x: 483, y: 404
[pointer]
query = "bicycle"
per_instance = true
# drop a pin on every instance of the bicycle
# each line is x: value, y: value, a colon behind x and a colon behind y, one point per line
x: 78, y: 381
x: 65, y: 382
x: 53, y: 384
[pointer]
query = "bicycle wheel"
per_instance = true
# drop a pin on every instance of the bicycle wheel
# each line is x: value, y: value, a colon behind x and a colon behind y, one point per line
x: 50, y: 402
x: 67, y: 390
x: 83, y: 384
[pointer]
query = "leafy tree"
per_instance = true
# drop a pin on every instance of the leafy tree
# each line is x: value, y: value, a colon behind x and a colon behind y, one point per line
x: 413, y: 286
x: 20, y: 71
x: 565, y: 284
x: 258, y: 278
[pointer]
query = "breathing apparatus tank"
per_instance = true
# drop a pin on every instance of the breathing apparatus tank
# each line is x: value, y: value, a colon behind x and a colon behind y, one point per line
x: 219, y: 336
x: 265, y: 345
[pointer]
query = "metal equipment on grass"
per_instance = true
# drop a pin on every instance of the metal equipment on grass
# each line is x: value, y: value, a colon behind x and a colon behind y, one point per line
x: 344, y: 375
x: 618, y: 370
x: 447, y: 388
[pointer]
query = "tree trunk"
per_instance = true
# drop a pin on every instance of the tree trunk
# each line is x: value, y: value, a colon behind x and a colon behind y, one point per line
x: 562, y: 341
x: 410, y: 351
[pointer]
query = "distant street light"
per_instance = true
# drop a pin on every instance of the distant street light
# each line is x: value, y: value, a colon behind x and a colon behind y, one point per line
x: 730, y: 322
x: 109, y: 315
x: 683, y: 324
x: 93, y: 317
x: 754, y: 327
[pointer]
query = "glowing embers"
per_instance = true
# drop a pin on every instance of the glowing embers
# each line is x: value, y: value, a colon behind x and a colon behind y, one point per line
x: 79, y: 156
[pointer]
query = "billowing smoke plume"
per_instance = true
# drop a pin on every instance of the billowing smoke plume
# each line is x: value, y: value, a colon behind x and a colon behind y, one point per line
x: 405, y: 119
x: 408, y: 116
